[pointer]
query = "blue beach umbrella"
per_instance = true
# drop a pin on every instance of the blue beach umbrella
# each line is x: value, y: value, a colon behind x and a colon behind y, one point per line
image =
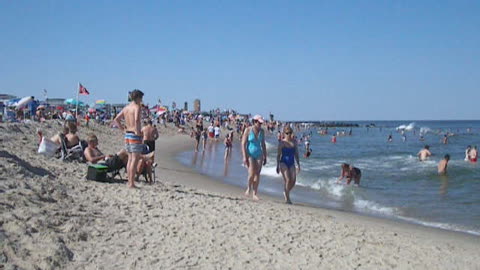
x: 72, y: 101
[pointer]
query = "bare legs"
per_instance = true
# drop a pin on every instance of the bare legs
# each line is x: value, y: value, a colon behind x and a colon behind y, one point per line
x: 132, y: 163
x: 289, y: 178
x: 253, y: 177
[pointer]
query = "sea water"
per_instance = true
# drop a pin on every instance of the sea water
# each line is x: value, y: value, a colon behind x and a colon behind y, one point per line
x: 394, y: 184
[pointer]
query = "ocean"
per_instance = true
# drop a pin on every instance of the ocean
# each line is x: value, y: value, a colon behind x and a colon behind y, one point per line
x: 394, y: 183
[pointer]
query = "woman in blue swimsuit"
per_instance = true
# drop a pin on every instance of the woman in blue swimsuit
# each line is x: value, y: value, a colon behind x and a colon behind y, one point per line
x: 254, y: 152
x: 286, y: 157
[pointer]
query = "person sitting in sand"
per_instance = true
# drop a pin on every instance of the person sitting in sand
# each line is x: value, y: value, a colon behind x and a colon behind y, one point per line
x: 71, y: 137
x: 442, y: 165
x: 94, y: 156
x: 424, y: 153
x: 350, y: 172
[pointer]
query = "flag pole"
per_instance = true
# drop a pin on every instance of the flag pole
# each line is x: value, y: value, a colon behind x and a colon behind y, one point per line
x: 76, y: 110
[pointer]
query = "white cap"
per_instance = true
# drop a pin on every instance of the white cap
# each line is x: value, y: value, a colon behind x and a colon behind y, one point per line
x: 258, y: 118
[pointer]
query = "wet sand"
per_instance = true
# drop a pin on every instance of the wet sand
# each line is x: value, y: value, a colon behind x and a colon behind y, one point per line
x: 52, y: 218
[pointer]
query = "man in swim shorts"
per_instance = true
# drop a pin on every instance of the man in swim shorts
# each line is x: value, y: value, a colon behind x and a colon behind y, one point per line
x: 133, y: 134
x: 150, y: 134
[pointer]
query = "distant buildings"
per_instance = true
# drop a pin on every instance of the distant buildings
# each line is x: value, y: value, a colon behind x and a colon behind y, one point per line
x: 55, y: 101
x: 196, y: 106
x: 6, y: 97
x: 185, y: 106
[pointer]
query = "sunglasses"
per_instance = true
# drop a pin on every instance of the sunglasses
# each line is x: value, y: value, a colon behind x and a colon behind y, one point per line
x: 288, y: 133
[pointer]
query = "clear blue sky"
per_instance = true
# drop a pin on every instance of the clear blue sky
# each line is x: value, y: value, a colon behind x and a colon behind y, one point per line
x: 334, y: 60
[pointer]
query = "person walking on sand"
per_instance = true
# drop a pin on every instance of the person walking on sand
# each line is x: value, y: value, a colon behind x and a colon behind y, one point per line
x: 150, y: 135
x: 287, y: 155
x: 133, y: 134
x: 424, y: 153
x: 196, y: 134
x: 205, y: 138
x: 254, y: 151
x: 228, y: 145
x: 442, y: 165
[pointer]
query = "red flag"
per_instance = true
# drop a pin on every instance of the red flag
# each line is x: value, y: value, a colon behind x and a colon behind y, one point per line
x: 82, y: 90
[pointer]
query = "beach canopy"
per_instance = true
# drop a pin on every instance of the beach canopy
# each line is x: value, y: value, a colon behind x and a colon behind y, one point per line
x: 101, y: 102
x: 72, y: 101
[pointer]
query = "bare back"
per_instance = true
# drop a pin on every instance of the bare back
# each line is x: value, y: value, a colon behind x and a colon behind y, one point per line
x: 131, y: 114
x: 149, y: 133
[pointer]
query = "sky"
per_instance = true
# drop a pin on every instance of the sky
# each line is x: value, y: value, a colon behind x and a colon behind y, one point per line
x: 300, y: 60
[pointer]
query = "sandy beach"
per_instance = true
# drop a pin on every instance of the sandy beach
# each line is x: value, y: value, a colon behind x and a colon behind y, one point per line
x: 52, y: 218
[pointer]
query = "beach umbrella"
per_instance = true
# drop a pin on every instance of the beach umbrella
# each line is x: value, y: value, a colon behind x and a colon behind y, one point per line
x: 72, y: 101
x: 12, y: 102
x: 91, y: 110
x: 101, y: 102
x: 23, y: 102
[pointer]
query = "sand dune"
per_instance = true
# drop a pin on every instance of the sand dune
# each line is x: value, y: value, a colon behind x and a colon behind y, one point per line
x: 52, y: 218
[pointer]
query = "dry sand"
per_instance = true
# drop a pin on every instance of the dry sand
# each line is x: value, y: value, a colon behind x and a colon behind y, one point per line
x: 51, y: 218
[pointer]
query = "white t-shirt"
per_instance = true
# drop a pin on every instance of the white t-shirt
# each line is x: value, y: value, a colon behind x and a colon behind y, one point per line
x: 210, y: 129
x: 217, y: 131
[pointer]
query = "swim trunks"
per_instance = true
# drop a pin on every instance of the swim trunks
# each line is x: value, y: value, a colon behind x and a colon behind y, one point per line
x: 151, y: 145
x: 133, y: 143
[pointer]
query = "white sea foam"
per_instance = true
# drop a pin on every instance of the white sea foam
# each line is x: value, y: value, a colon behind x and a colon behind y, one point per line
x: 270, y: 146
x: 369, y: 206
x: 445, y: 226
x: 270, y: 171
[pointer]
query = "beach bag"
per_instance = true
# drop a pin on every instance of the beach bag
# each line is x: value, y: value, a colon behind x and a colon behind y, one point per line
x: 47, y: 147
x: 97, y: 172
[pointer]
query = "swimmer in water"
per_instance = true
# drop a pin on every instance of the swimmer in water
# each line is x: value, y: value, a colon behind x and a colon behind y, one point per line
x: 334, y: 138
x: 422, y: 139
x: 390, y: 138
x: 424, y: 153
x: 350, y: 172
x: 445, y: 139
x: 473, y: 154
x: 442, y: 165
x: 467, y: 153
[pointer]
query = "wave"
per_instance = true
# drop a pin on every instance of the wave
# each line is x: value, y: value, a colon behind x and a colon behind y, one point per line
x: 373, y: 207
x: 439, y: 225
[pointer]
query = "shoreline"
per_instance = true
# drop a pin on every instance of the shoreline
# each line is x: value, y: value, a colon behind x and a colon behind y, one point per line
x: 52, y: 218
x: 178, y: 145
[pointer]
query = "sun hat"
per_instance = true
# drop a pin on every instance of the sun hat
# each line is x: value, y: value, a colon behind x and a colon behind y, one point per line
x: 258, y: 118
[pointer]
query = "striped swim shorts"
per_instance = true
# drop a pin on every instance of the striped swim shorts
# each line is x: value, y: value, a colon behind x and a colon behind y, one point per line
x: 133, y: 143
